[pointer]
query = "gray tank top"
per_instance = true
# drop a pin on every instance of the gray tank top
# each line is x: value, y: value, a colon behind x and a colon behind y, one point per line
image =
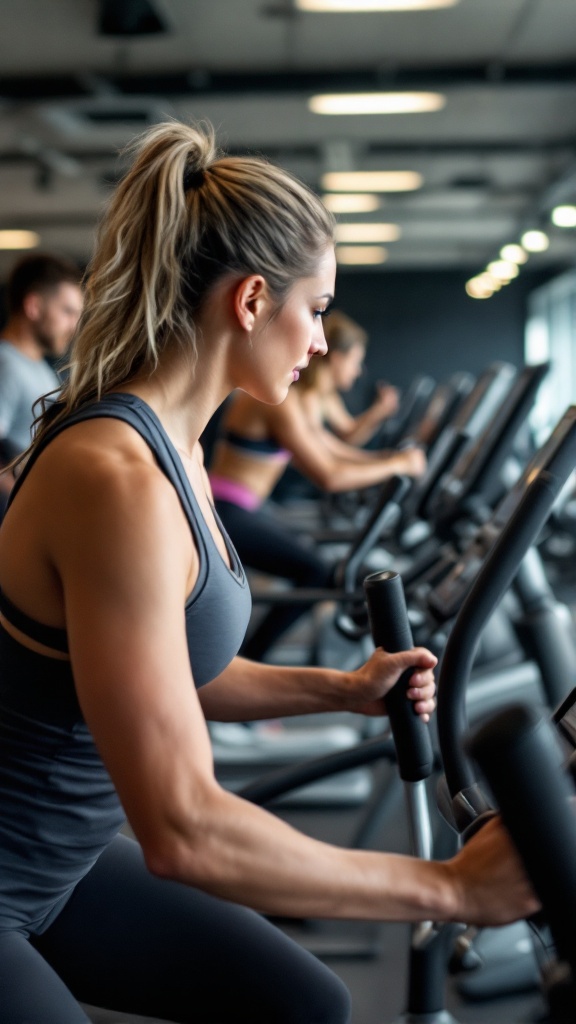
x: 58, y: 807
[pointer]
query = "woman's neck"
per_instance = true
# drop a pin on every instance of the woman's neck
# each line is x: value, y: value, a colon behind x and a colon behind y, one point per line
x: 183, y: 398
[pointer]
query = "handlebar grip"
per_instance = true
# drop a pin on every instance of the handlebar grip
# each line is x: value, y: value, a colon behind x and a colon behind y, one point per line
x: 522, y: 762
x: 391, y: 630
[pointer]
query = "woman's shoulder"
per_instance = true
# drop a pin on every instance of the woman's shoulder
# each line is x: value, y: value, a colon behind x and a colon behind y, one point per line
x: 101, y: 460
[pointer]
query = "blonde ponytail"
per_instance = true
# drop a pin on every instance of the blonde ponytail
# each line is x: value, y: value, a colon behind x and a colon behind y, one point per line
x: 182, y: 217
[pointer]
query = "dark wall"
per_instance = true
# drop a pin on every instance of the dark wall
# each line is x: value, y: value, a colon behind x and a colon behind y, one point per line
x: 426, y: 323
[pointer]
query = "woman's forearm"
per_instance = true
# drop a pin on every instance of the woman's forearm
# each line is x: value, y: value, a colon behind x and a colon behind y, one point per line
x: 240, y: 852
x: 248, y: 691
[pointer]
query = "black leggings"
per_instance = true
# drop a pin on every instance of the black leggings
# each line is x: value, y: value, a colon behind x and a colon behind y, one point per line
x: 266, y: 545
x: 131, y: 942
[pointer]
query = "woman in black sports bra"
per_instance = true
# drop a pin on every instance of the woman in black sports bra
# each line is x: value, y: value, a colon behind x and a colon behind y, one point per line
x: 257, y: 441
x: 123, y: 606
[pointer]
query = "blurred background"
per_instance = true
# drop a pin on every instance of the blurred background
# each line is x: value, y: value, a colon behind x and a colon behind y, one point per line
x: 458, y: 116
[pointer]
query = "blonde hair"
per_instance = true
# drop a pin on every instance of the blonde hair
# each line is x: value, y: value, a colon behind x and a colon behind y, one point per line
x: 342, y: 334
x: 182, y: 217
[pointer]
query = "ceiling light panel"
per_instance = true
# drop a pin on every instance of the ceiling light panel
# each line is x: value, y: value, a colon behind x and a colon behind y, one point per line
x: 16, y: 239
x: 376, y: 103
x: 367, y: 232
x: 361, y: 255
x: 367, y: 6
x: 350, y: 202
x: 371, y: 181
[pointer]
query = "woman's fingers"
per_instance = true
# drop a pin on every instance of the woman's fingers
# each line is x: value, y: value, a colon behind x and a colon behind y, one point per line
x: 375, y: 679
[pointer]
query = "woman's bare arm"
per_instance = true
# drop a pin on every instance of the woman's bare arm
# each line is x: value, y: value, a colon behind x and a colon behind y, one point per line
x: 247, y: 690
x: 324, y: 462
x: 360, y: 428
x: 125, y: 560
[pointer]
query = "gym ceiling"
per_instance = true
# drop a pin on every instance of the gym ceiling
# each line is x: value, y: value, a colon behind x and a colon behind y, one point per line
x: 78, y: 78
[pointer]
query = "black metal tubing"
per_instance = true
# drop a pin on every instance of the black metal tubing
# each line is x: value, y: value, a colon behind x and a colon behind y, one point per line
x: 305, y: 595
x: 286, y: 780
x: 346, y: 587
x: 412, y: 406
x: 484, y: 398
x: 543, y: 485
x: 480, y: 462
x: 391, y: 495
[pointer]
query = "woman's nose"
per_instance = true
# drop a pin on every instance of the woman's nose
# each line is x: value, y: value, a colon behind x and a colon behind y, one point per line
x: 319, y: 346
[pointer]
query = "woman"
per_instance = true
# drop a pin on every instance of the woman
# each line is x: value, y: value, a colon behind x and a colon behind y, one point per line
x: 121, y: 595
x: 257, y: 442
x: 323, y: 380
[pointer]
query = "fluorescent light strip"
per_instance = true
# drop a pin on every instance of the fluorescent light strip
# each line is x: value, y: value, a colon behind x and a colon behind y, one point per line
x: 353, y: 6
x: 376, y: 103
x: 361, y: 254
x: 367, y: 232
x: 371, y: 181
x: 17, y: 239
x: 349, y: 202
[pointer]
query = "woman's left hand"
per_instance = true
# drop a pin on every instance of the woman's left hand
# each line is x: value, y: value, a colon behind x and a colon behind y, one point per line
x: 372, y: 681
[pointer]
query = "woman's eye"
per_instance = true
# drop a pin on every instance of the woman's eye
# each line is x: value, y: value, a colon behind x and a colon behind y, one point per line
x: 321, y: 313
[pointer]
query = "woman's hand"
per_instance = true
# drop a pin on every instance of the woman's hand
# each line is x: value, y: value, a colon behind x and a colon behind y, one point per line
x: 404, y: 461
x: 377, y: 676
x: 490, y: 885
x: 387, y: 400
x: 413, y: 461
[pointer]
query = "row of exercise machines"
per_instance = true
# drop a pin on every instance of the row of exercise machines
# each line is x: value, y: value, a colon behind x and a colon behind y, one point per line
x: 407, y: 526
x: 465, y: 539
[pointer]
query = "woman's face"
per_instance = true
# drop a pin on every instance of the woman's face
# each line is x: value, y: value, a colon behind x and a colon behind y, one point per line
x: 291, y: 336
x: 346, y: 367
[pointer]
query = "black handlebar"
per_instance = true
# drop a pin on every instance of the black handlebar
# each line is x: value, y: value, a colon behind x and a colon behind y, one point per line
x: 391, y: 630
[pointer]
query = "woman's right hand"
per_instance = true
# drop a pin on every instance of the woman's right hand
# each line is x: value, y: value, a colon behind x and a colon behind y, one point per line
x: 413, y: 461
x: 490, y: 884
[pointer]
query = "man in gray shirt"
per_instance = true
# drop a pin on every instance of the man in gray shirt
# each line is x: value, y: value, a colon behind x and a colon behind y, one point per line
x: 44, y: 301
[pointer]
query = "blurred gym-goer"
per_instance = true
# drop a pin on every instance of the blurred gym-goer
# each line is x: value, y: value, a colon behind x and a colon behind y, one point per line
x: 44, y: 301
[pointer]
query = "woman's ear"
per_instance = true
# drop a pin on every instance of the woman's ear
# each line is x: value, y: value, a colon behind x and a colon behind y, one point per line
x: 251, y: 298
